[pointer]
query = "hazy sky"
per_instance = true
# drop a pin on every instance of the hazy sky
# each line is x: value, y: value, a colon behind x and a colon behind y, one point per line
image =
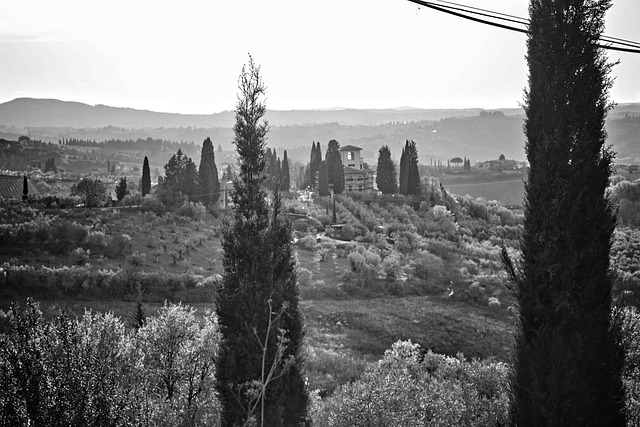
x: 185, y: 56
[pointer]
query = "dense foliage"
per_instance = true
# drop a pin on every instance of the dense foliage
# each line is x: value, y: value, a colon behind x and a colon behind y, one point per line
x: 409, y: 388
x: 94, y: 372
x: 92, y: 192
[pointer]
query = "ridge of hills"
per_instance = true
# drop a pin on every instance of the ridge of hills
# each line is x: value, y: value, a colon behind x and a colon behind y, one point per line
x: 23, y: 112
x: 474, y: 133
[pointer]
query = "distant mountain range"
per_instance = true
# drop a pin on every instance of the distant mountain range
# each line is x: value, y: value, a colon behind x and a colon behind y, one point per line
x: 440, y: 134
x: 23, y: 112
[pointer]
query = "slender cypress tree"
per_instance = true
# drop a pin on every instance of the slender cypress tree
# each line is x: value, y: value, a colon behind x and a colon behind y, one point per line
x: 338, y: 176
x: 286, y: 176
x: 567, y: 368
x: 146, y: 177
x: 318, y: 161
x: 332, y: 155
x: 313, y: 165
x: 413, y: 174
x: 323, y: 184
x: 404, y: 170
x: 258, y: 299
x: 208, y: 173
x: 25, y: 188
x: 278, y: 178
x: 386, y: 177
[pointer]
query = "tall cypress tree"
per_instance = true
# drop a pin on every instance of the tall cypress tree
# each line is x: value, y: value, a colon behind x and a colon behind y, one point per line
x: 313, y: 165
x: 338, y: 176
x: 278, y: 179
x: 286, y: 176
x: 568, y: 367
x: 259, y: 294
x: 333, y: 154
x: 404, y: 170
x: 145, y: 186
x: 413, y: 174
x: 323, y: 182
x: 386, y: 177
x: 208, y: 173
x: 25, y: 188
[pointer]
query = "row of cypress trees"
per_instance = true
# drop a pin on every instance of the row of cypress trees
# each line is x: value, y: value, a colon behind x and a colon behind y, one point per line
x: 330, y: 170
x: 277, y: 172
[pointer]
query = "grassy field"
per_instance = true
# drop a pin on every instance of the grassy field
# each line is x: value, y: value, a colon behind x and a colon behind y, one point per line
x: 510, y: 192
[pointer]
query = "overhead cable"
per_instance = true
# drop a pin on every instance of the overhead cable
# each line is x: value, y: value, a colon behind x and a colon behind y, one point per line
x: 468, y: 12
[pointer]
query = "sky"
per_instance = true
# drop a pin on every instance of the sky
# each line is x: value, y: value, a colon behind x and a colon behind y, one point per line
x: 185, y: 57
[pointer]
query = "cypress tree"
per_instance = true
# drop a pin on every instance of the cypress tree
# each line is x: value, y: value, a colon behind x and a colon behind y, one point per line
x: 278, y: 179
x: 312, y: 165
x: 208, y: 173
x: 286, y: 176
x: 338, y: 177
x: 568, y: 367
x: 404, y: 170
x: 386, y: 177
x: 121, y: 188
x: 332, y: 155
x: 146, y: 177
x: 318, y: 161
x: 259, y: 294
x: 323, y: 184
x: 25, y: 188
x: 413, y: 175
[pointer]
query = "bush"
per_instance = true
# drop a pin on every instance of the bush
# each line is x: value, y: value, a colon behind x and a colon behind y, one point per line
x: 118, y: 244
x: 406, y: 388
x: 308, y: 242
x: 356, y: 261
x: 136, y: 259
x: 195, y: 211
x: 152, y: 204
x: 161, y: 374
x: 80, y: 256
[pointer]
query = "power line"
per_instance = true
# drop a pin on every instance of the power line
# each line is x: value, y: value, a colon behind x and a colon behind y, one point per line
x: 466, y: 12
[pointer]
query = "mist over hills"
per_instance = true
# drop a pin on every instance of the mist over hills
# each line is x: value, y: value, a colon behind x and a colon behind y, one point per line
x: 439, y: 134
x: 24, y: 112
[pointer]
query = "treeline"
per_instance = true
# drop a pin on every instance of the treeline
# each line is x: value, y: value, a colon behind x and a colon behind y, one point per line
x: 149, y: 145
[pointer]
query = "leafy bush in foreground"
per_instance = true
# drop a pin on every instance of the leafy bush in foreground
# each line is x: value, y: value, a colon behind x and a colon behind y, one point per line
x: 94, y: 372
x: 407, y: 388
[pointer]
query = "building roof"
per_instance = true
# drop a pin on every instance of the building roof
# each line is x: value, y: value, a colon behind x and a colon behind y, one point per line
x: 350, y: 148
x: 11, y: 186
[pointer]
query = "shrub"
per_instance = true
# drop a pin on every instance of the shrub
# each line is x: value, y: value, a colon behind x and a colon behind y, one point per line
x: 326, y: 250
x: 305, y: 277
x: 117, y: 245
x: 407, y: 388
x: 136, y: 259
x: 195, y: 211
x: 391, y: 266
x: 152, y: 204
x: 80, y: 256
x: 308, y: 242
x: 356, y: 261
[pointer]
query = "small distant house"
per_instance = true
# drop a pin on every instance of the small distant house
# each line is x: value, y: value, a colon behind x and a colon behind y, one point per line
x: 356, y: 176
